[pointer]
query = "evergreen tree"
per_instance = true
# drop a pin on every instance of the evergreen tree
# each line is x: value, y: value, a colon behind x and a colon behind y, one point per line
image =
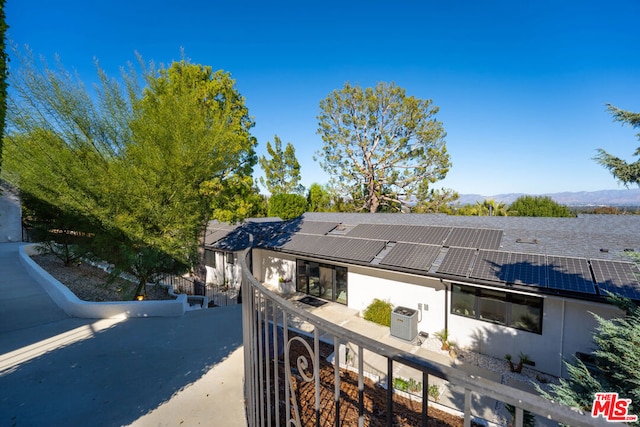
x: 627, y: 173
x: 543, y: 206
x: 282, y: 171
x: 436, y: 201
x: 616, y: 366
x: 381, y: 146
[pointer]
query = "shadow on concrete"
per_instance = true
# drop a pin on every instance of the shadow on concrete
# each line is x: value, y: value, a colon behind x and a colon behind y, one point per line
x: 110, y: 374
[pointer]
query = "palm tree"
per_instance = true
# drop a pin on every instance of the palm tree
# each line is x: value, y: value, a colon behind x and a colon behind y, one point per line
x: 489, y: 207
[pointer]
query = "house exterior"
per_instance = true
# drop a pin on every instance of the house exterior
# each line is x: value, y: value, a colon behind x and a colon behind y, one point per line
x: 499, y: 285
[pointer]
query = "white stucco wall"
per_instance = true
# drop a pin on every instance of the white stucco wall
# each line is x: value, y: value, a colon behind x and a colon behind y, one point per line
x: 399, y: 289
x: 269, y: 267
x: 567, y: 327
x: 224, y: 272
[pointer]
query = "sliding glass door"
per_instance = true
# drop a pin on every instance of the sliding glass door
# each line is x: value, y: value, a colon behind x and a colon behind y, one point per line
x: 322, y: 280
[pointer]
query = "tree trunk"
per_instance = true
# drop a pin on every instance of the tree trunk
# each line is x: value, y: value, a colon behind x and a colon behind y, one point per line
x: 141, y: 289
x: 373, y: 204
x: 200, y: 270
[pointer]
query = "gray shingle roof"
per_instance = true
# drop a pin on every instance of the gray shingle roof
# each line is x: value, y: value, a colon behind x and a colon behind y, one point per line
x: 502, y: 250
x: 583, y: 236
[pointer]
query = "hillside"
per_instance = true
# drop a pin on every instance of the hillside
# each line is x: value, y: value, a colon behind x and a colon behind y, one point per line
x: 625, y: 197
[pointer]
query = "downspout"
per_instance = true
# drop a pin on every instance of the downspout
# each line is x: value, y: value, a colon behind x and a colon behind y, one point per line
x: 446, y: 306
x: 562, y: 339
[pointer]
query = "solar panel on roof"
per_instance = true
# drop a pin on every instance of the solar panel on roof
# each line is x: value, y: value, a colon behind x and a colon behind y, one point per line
x: 397, y: 233
x: 315, y: 227
x: 434, y: 235
x: 619, y: 278
x: 569, y: 274
x: 457, y: 261
x: 379, y: 231
x: 527, y: 269
x: 360, y: 230
x: 334, y: 247
x: 464, y: 237
x: 491, y: 265
x: 413, y: 256
x: 358, y: 249
x: 488, y: 238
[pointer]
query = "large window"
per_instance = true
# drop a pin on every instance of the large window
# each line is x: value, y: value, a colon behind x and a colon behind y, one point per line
x: 504, y: 308
x: 322, y: 280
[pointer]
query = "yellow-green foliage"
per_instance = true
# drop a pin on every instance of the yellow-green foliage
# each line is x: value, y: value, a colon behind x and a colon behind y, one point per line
x: 379, y: 312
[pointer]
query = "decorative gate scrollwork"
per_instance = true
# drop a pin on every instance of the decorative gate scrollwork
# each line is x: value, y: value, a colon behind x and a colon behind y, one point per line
x: 302, y: 364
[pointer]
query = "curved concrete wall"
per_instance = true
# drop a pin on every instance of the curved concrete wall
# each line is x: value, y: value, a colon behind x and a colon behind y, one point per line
x: 75, y: 307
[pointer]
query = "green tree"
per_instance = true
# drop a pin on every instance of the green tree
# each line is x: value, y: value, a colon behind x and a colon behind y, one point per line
x: 382, y: 142
x: 538, y: 206
x: 489, y: 207
x: 627, y: 173
x: 616, y: 366
x: 319, y: 198
x: 437, y: 201
x: 467, y: 210
x: 287, y: 206
x: 64, y: 234
x: 3, y: 75
x: 282, y: 171
x: 148, y: 167
x: 194, y: 157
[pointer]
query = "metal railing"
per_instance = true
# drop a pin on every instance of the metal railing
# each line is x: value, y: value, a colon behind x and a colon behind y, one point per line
x: 218, y: 295
x: 287, y: 383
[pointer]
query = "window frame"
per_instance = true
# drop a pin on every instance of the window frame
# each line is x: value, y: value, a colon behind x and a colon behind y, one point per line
x: 304, y: 283
x: 210, y: 258
x: 511, y: 302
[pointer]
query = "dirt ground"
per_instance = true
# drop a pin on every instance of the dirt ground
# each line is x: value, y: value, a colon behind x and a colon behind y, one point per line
x: 92, y: 284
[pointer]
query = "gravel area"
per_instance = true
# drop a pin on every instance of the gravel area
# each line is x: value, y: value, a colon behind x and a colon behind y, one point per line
x: 527, y: 379
x: 91, y: 283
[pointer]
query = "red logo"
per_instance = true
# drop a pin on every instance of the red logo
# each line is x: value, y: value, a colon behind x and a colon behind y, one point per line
x: 612, y: 408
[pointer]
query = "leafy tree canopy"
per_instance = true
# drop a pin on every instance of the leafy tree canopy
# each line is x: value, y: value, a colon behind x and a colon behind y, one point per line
x: 319, y: 198
x: 437, y: 201
x: 487, y: 207
x: 538, y: 206
x: 287, y: 206
x: 282, y: 171
x: 381, y: 146
x: 627, y: 173
x: 148, y: 166
x: 3, y: 75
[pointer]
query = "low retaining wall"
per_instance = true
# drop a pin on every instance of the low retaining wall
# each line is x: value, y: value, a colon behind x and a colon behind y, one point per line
x: 75, y: 307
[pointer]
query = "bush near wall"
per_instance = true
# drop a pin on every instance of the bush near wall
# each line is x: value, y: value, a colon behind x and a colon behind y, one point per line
x: 379, y: 312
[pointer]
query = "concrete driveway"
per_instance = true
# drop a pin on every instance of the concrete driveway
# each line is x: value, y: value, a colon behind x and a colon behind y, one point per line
x: 62, y: 371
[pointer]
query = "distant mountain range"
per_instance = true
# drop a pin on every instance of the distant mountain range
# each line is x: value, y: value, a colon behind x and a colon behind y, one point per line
x: 630, y: 197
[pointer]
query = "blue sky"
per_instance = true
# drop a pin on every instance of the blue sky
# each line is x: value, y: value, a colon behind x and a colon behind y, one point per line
x: 521, y: 86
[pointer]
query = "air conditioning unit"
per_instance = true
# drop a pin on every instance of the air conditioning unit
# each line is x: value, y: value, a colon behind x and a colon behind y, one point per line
x: 404, y: 323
